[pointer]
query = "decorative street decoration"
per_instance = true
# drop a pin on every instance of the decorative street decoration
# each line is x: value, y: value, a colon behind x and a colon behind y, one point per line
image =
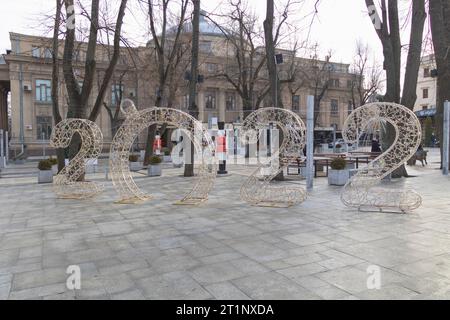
x: 361, y: 191
x: 66, y: 184
x: 257, y: 189
x: 138, y: 121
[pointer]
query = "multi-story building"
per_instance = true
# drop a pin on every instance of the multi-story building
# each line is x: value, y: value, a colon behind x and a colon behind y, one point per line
x: 28, y: 68
x: 426, y: 84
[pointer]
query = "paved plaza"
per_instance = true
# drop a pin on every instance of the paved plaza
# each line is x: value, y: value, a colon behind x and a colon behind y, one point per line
x: 224, y: 248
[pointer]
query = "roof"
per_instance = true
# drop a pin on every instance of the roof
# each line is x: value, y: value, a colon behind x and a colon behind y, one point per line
x: 206, y: 27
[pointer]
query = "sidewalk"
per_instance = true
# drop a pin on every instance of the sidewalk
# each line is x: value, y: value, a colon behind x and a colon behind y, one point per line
x: 223, y: 249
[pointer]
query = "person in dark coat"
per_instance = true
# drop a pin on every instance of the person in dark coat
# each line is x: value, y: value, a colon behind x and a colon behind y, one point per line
x: 375, y: 146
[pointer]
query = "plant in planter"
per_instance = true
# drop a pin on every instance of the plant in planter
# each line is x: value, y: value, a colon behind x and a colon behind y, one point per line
x: 154, y: 169
x: 338, y: 148
x: 45, y: 174
x: 54, y: 162
x: 134, y: 164
x: 338, y: 174
x: 167, y: 156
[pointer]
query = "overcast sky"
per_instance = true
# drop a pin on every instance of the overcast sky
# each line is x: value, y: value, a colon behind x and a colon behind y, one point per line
x: 338, y: 25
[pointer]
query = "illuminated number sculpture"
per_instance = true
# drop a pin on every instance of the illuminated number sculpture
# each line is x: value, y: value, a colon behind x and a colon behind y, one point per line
x: 134, y: 124
x: 361, y: 191
x: 257, y: 189
x: 66, y: 184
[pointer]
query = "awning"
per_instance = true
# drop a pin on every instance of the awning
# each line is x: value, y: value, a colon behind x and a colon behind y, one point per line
x: 426, y: 113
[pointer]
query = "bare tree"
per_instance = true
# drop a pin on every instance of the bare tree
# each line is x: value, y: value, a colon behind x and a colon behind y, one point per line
x: 78, y: 96
x: 167, y: 48
x: 387, y: 28
x: 366, y: 77
x: 439, y: 10
x: 113, y: 109
x: 243, y: 68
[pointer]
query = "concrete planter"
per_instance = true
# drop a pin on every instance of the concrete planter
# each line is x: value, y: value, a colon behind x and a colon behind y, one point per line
x: 135, y: 166
x: 45, y: 176
x: 154, y: 170
x: 167, y: 159
x: 55, y: 169
x: 338, y: 177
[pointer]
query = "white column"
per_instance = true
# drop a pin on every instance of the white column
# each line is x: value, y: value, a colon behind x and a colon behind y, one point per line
x: 7, y: 146
x: 446, y: 137
x: 310, y: 143
x: 2, y: 156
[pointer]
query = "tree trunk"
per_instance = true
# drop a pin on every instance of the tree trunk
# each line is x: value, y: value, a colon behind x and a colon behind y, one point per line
x: 409, y: 95
x: 389, y: 33
x: 60, y: 154
x: 193, y: 109
x: 270, y: 56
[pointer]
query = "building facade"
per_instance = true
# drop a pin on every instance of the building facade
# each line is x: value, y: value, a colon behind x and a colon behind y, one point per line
x: 426, y: 84
x: 28, y: 66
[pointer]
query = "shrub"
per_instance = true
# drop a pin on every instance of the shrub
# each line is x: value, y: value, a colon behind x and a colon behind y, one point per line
x: 45, y: 165
x: 338, y: 146
x: 133, y: 158
x: 167, y: 152
x: 338, y: 164
x: 155, y: 160
x: 53, y: 161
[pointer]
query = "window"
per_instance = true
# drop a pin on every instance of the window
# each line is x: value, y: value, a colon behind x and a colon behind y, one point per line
x: 43, y: 90
x: 335, y: 83
x: 426, y: 72
x: 36, y: 52
x: 424, y: 107
x: 210, y: 100
x: 425, y: 93
x: 230, y: 101
x: 296, y: 102
x: 334, y: 108
x: 211, y: 67
x: 185, y: 102
x: 116, y: 94
x: 132, y: 93
x: 349, y: 83
x: 44, y: 128
x: 205, y: 47
x: 350, y: 107
x: 48, y: 53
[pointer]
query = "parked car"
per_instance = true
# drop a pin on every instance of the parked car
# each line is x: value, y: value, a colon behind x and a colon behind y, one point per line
x: 340, y: 142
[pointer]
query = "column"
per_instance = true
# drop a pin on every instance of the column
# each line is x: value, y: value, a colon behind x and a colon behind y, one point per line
x: 201, y: 106
x: 221, y: 106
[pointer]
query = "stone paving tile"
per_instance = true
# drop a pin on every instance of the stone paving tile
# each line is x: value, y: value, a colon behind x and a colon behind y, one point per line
x: 172, y: 286
x: 302, y: 270
x: 226, y: 291
x: 268, y: 286
x: 391, y: 292
x: 213, y: 273
x: 31, y: 279
x: 129, y: 295
x: 259, y: 251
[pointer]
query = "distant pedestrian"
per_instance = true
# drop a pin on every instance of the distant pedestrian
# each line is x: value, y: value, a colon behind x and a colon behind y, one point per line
x: 375, y: 146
